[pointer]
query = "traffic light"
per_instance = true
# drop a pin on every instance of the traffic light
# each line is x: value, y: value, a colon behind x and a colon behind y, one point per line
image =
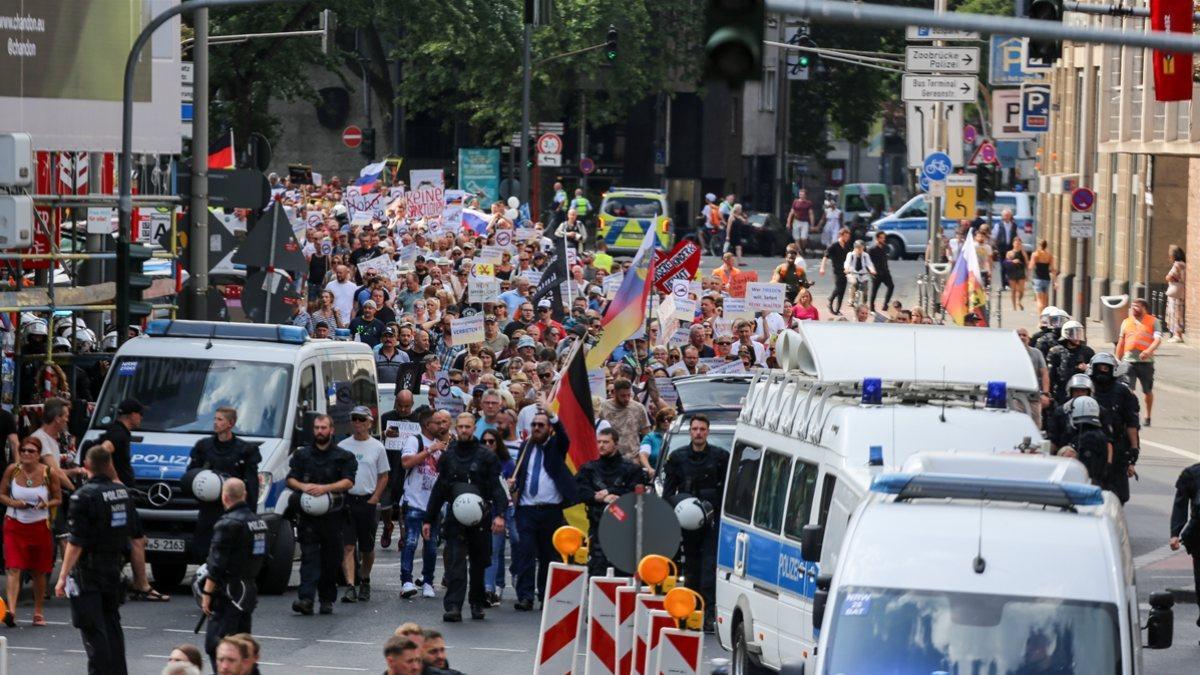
x: 328, y: 31
x: 985, y: 179
x: 368, y: 143
x: 610, y: 45
x: 131, y: 283
x: 1047, y: 51
x: 806, y: 62
x: 733, y: 32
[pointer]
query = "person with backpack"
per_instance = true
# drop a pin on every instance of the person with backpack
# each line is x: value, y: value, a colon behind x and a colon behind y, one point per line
x: 1088, y: 441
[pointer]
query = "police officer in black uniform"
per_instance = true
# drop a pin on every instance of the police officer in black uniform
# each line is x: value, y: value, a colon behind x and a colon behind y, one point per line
x: 1122, y: 422
x: 98, y: 538
x: 318, y: 470
x: 601, y: 482
x: 466, y: 466
x: 1059, y: 428
x: 699, y: 470
x: 1067, y: 359
x: 230, y: 457
x: 239, y: 547
x: 1185, y: 518
x: 1087, y: 440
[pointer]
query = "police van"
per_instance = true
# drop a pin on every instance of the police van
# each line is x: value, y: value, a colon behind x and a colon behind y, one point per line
x: 627, y: 213
x: 849, y: 399
x: 182, y: 371
x: 907, y: 228
x: 985, y: 564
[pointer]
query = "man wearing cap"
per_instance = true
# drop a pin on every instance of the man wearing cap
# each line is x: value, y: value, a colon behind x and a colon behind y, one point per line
x: 545, y: 318
x: 493, y: 339
x: 363, y: 502
x: 526, y: 347
x: 367, y: 329
x: 389, y: 358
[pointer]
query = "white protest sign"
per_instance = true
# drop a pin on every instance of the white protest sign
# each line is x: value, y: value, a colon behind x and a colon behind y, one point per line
x: 100, y: 220
x: 680, y: 288
x: 467, y: 330
x: 526, y: 233
x: 422, y: 177
x: 696, y: 288
x: 666, y: 311
x: 372, y: 203
x: 666, y: 390
x: 426, y: 202
x: 490, y: 254
x: 452, y: 211
x: 735, y: 308
x: 711, y: 363
x: 482, y: 289
x: 722, y: 327
x: 404, y: 430
x: 597, y: 383
x: 767, y: 297
x: 730, y: 367
x: 680, y: 337
x: 685, y: 309
x: 382, y: 264
x: 533, y: 276
x: 504, y: 239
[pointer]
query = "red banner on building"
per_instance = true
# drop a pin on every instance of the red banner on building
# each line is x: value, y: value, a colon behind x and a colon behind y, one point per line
x: 1172, y: 70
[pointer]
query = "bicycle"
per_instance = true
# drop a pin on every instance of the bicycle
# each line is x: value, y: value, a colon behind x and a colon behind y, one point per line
x: 859, y: 286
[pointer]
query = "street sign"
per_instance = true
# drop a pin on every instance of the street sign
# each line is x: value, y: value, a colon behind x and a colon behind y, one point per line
x: 921, y: 33
x: 549, y: 159
x: 1006, y: 62
x: 352, y: 136
x: 549, y: 144
x: 922, y: 59
x: 984, y: 154
x: 939, y: 88
x: 969, y: 133
x: 937, y: 166
x: 1082, y: 199
x: 1083, y: 225
x: 587, y: 165
x: 922, y: 140
x: 1006, y: 115
x: 935, y: 188
x: 960, y: 197
x: 1035, y: 108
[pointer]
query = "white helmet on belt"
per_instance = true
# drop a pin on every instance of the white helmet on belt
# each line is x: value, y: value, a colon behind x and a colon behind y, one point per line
x: 321, y: 504
x: 204, y: 484
x: 691, y: 513
x: 468, y: 509
x: 1083, y: 410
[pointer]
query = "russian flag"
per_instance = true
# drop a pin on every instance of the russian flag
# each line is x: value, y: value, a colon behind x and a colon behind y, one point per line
x: 476, y: 220
x: 964, y: 292
x: 368, y: 177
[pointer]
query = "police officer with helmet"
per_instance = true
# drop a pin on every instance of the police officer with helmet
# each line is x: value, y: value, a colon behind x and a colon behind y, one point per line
x: 698, y: 470
x: 98, y: 538
x: 1087, y: 442
x: 1122, y: 424
x: 226, y: 456
x: 239, y: 547
x: 469, y: 478
x: 1068, y: 358
x: 320, y: 474
x: 601, y: 482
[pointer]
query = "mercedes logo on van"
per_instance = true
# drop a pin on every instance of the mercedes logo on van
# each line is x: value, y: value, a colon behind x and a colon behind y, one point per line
x: 159, y: 494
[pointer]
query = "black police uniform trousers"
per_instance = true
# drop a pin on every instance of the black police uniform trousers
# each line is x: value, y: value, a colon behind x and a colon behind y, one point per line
x: 700, y: 563
x: 206, y: 520
x: 598, y: 563
x: 320, y: 555
x: 96, y: 614
x: 466, y: 545
x: 227, y: 619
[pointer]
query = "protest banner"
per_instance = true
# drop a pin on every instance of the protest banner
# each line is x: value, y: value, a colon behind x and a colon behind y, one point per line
x: 484, y: 270
x: 685, y: 309
x: 680, y: 337
x: 666, y: 390
x: 452, y: 211
x: 737, y: 287
x: 382, y: 264
x: 765, y: 297
x: 533, y: 276
x: 490, y: 254
x: 680, y: 288
x: 482, y: 289
x: 735, y: 308
x: 467, y: 330
x: 728, y: 368
x: 427, y: 202
x: 405, y: 431
x: 722, y: 327
x: 681, y: 263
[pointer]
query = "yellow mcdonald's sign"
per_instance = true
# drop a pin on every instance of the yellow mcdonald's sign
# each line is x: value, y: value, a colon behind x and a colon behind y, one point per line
x: 1168, y: 64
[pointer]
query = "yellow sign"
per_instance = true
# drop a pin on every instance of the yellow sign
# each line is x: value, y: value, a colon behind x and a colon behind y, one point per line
x: 485, y: 269
x: 960, y: 197
x: 1168, y: 64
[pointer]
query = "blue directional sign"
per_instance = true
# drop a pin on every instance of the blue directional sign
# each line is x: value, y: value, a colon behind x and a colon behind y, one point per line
x: 937, y: 166
x: 923, y: 183
x: 1006, y: 65
x: 1035, y: 108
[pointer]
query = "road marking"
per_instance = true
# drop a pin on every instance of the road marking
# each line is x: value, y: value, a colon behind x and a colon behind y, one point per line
x: 277, y: 637
x: 124, y: 627
x: 1171, y: 449
x: 181, y: 630
x: 74, y: 651
x: 28, y: 649
x: 341, y: 642
x: 1150, y: 557
x: 498, y: 649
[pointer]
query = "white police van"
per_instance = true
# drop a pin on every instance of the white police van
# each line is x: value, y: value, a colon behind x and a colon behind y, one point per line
x: 986, y: 564
x: 907, y: 228
x: 849, y: 399
x: 182, y: 371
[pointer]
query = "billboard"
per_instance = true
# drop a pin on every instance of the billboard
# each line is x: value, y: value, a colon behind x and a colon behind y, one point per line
x: 62, y: 65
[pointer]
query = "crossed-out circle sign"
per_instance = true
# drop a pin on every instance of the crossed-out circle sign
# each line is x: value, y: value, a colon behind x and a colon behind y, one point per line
x: 1083, y: 199
x: 442, y: 385
x: 550, y: 144
x: 504, y: 237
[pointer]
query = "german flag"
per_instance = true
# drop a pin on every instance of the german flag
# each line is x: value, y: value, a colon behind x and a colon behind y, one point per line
x: 572, y: 402
x: 220, y: 153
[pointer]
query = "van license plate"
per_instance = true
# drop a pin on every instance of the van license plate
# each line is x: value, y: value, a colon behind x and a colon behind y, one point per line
x: 166, y: 545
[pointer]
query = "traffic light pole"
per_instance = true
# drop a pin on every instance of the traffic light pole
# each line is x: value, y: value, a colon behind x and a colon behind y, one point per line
x: 526, y: 82
x: 198, y: 242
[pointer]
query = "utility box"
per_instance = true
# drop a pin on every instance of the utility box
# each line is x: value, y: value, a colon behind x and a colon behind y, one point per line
x: 16, y: 160
x: 16, y: 221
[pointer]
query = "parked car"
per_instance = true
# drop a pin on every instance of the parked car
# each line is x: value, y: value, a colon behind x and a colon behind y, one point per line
x: 907, y: 229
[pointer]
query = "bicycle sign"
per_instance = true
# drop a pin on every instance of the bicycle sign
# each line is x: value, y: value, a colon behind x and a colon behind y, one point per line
x: 937, y: 166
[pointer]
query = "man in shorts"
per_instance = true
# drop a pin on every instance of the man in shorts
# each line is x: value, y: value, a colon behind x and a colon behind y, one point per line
x: 800, y: 219
x: 1139, y: 341
x: 363, y: 503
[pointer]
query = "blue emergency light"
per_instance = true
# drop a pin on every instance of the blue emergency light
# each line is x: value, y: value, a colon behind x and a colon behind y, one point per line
x: 955, y: 486
x: 219, y: 330
x: 872, y: 391
x: 341, y: 333
x: 997, y: 395
x: 876, y: 457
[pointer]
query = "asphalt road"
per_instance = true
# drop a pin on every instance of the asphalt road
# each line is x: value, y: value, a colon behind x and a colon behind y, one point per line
x: 351, y: 640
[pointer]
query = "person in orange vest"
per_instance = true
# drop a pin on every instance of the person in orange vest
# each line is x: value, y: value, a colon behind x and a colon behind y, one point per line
x: 1139, y: 341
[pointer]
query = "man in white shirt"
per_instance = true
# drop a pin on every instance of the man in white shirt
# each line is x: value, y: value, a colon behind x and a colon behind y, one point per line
x: 362, y: 502
x: 343, y: 289
x: 744, y: 330
x: 419, y: 458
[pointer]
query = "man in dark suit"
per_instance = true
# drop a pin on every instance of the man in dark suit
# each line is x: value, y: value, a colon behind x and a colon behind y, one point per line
x: 543, y: 487
x: 1002, y: 239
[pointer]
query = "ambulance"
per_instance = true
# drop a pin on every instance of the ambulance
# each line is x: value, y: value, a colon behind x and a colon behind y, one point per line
x: 627, y: 213
x: 850, y: 400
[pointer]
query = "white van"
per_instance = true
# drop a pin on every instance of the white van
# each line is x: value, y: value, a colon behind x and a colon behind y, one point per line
x: 907, y: 228
x: 986, y: 564
x: 850, y: 399
x: 182, y: 371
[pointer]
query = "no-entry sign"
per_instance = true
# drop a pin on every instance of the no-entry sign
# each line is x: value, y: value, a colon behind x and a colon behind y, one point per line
x: 352, y: 136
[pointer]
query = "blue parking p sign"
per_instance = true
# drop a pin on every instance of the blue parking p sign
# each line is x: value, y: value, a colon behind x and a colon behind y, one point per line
x: 1006, y: 65
x: 1035, y: 108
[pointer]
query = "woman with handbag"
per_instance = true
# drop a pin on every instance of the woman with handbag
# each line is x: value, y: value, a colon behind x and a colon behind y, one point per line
x: 29, y: 491
x: 1185, y: 518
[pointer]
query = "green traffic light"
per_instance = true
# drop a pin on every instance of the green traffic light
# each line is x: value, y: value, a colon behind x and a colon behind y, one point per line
x: 804, y: 61
x: 611, y: 54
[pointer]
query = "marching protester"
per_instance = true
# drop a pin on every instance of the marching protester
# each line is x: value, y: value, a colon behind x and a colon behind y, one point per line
x: 363, y: 503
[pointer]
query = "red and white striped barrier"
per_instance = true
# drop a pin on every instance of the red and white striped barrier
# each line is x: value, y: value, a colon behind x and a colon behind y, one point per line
x: 565, y: 585
x: 644, y: 604
x: 601, y: 658
x: 679, y: 652
x: 659, y: 621
x: 626, y: 602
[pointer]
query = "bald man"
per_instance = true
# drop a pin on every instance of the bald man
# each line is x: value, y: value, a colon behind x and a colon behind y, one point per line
x: 239, y: 548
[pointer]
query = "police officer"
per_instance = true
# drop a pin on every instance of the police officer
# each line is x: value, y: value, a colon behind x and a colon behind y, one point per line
x: 228, y: 456
x: 1068, y: 358
x: 1122, y: 422
x: 98, y: 537
x: 699, y: 470
x: 1059, y: 429
x: 1185, y: 517
x: 466, y: 467
x: 239, y: 546
x: 320, y: 470
x: 1088, y: 442
x: 601, y: 482
x: 1051, y: 332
